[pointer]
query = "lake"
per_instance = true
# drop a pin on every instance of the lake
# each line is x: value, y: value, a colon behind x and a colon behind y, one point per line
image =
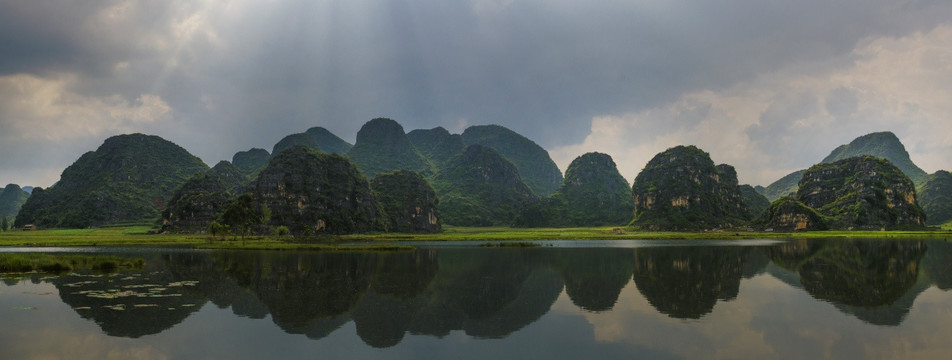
x: 797, y: 299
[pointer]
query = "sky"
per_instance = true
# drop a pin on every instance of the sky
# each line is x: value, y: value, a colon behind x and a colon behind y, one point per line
x: 766, y: 86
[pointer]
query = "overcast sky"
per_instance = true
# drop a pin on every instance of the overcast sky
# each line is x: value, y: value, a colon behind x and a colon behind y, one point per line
x: 766, y: 86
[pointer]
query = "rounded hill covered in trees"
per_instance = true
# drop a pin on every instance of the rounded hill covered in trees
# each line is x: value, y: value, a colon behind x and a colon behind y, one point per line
x: 593, y: 194
x: 127, y: 179
x: 382, y: 146
x: 480, y: 187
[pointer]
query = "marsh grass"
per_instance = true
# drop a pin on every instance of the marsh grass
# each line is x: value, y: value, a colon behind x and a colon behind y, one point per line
x: 138, y: 235
x: 60, y: 263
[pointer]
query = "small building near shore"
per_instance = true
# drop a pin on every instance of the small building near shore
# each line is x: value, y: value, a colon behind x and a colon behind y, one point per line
x: 29, y: 227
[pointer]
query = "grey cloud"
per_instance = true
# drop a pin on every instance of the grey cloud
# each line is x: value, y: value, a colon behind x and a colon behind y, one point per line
x: 542, y: 68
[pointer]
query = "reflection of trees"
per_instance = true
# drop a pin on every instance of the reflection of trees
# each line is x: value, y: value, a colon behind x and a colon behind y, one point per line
x: 594, y: 277
x: 686, y: 282
x: 862, y: 273
x: 938, y: 264
x: 876, y: 281
x: 135, y: 303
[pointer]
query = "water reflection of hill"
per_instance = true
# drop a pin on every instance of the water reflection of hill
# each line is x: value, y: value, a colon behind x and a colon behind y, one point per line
x: 876, y: 281
x: 494, y: 292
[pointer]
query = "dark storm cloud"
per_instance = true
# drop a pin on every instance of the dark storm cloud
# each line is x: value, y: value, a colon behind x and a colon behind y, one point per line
x: 251, y: 72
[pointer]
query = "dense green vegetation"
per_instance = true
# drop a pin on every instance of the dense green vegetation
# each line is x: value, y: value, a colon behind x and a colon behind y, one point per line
x: 293, y: 140
x: 251, y: 162
x: 480, y: 187
x: 409, y: 202
x: 534, y: 164
x: 128, y: 179
x: 862, y: 192
x: 592, y: 194
x: 60, y: 263
x: 935, y: 197
x: 328, y: 141
x: 231, y: 177
x: 437, y: 145
x: 382, y: 146
x: 755, y: 201
x: 788, y: 214
x: 881, y: 144
x: 196, y: 204
x: 313, y: 193
x: 12, y: 199
x: 681, y: 189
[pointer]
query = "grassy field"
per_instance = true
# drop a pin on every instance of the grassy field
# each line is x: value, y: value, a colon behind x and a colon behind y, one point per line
x: 138, y: 235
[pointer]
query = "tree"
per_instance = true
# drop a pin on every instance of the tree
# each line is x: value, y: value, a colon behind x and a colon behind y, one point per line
x: 240, y: 214
x: 5, y: 224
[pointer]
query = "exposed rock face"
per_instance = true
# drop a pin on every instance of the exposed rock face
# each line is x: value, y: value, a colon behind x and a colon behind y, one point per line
x: 935, y: 197
x: 12, y: 199
x: 293, y: 140
x: 127, y: 179
x: 230, y: 176
x: 313, y: 193
x: 856, y: 193
x: 409, y: 202
x: 788, y: 214
x: 755, y: 201
x: 328, y: 141
x: 437, y: 144
x: 195, y: 205
x: 383, y: 147
x: 251, y: 161
x: 534, y: 164
x: 681, y: 189
x: 861, y: 192
x: 480, y: 187
x: 592, y: 194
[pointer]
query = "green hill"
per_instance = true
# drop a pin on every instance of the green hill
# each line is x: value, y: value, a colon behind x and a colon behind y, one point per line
x: 408, y: 200
x: 128, y: 179
x: 533, y: 162
x: 935, y: 197
x: 231, y: 177
x: 756, y: 202
x: 12, y: 199
x: 480, y: 187
x: 314, y: 193
x: 327, y: 141
x: 195, y: 204
x: 437, y: 144
x: 382, y: 147
x: 592, y: 194
x: 681, y: 189
x: 880, y: 144
x: 252, y: 161
x: 862, y: 192
x: 292, y: 140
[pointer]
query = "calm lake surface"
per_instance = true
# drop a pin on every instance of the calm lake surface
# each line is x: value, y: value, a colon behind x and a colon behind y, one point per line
x: 800, y: 299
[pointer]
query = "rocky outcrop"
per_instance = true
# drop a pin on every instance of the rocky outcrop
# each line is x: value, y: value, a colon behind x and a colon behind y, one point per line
x: 534, y: 164
x: 592, y: 194
x: 195, y: 205
x: 128, y: 179
x: 480, y: 187
x: 383, y: 147
x: 314, y: 193
x: 864, y: 192
x: 409, y: 202
x: 681, y: 189
x: 788, y: 214
x: 861, y: 192
x: 231, y: 177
